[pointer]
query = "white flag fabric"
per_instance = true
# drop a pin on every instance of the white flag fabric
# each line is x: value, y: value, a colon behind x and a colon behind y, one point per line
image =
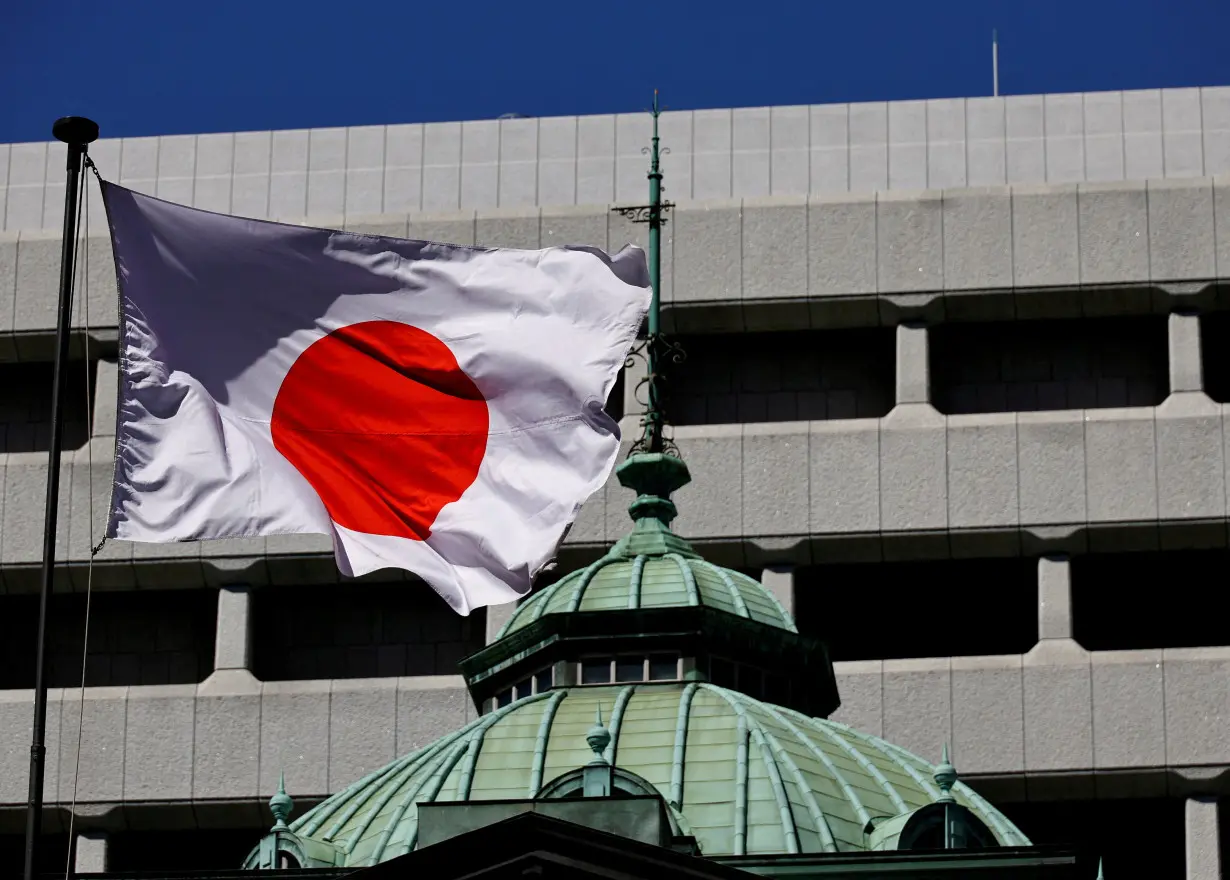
x: 431, y: 407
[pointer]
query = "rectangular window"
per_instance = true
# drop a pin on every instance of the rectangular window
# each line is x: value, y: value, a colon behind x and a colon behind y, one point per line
x: 750, y: 681
x: 25, y: 405
x: 596, y: 671
x: 1116, y: 605
x: 776, y: 690
x: 1114, y: 830
x: 1215, y: 351
x: 831, y: 603
x: 741, y: 378
x: 630, y: 669
x: 524, y: 689
x: 544, y: 680
x: 663, y: 667
x: 136, y: 638
x: 366, y: 630
x: 1028, y: 366
x: 722, y: 672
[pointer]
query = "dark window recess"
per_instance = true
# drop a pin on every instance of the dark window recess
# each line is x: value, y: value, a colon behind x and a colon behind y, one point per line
x: 723, y: 673
x: 1116, y: 605
x: 1139, y: 837
x: 663, y: 667
x: 1215, y: 351
x: 360, y: 631
x: 1026, y: 366
x: 596, y: 671
x: 25, y: 405
x: 195, y: 850
x: 731, y: 378
x: 933, y: 608
x: 136, y: 638
x: 615, y: 400
x: 52, y: 854
x: 629, y: 669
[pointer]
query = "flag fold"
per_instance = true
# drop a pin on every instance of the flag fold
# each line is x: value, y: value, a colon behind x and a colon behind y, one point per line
x: 437, y: 408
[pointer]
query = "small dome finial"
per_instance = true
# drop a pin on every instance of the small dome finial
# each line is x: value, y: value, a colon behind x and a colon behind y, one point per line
x: 945, y: 778
x: 598, y: 737
x: 281, y: 805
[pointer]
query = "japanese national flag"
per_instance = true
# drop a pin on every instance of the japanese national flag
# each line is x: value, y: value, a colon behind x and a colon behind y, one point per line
x: 431, y: 407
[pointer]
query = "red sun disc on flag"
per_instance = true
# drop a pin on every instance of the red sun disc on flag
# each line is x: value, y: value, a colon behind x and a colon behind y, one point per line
x: 384, y: 424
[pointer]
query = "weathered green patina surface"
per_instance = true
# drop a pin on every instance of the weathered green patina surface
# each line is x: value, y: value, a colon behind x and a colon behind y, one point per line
x: 745, y: 777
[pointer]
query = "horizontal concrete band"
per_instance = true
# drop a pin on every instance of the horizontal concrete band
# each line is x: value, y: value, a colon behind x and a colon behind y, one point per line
x: 912, y: 471
x: 783, y: 249
x: 227, y: 738
x: 721, y: 153
x: 1057, y: 708
x: 915, y: 470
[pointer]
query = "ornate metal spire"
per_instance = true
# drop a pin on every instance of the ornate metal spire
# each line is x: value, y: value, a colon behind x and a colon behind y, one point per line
x: 656, y: 349
x: 945, y: 778
x: 597, y: 777
x: 598, y: 737
x: 281, y: 805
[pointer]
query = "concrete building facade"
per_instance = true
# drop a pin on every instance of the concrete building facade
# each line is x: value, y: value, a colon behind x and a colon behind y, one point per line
x: 957, y: 391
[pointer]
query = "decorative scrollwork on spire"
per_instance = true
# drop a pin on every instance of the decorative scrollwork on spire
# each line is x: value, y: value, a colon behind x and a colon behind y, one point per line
x: 655, y: 350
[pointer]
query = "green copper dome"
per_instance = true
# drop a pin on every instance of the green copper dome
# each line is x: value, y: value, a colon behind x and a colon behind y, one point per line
x: 742, y: 776
x: 617, y: 582
x: 652, y: 567
x: 739, y: 774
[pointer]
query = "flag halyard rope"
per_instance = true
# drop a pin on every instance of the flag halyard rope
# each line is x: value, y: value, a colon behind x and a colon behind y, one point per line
x: 83, y: 219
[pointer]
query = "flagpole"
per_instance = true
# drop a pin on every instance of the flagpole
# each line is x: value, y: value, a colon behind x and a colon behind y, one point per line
x: 77, y: 132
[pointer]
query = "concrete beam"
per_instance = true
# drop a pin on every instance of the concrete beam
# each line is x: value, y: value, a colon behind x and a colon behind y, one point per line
x: 913, y: 364
x: 746, y: 153
x: 233, y: 646
x: 91, y: 856
x: 1204, y: 856
x: 1186, y: 363
x: 781, y: 260
x: 225, y: 739
x: 779, y: 580
x: 1054, y: 598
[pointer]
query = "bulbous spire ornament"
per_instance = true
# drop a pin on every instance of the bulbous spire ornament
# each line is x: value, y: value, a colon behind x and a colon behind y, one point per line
x: 281, y: 805
x: 598, y: 737
x: 945, y: 778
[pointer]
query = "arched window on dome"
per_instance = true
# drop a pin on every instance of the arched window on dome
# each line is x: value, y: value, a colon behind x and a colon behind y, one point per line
x: 945, y: 826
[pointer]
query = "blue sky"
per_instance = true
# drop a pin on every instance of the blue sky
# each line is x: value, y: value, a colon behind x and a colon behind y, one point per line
x: 143, y: 67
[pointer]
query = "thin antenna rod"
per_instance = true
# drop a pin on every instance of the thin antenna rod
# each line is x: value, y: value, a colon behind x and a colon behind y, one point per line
x: 995, y: 62
x: 654, y: 416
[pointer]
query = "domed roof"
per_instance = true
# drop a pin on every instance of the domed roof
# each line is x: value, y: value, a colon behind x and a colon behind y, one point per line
x: 742, y: 776
x: 618, y: 581
x: 652, y: 567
